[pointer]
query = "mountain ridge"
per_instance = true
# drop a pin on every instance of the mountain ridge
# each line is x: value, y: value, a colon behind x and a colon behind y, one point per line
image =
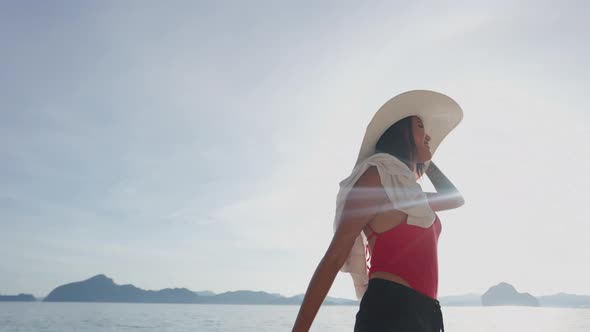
x: 101, y: 288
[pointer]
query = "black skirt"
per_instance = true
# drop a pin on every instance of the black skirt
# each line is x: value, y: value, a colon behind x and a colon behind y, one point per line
x: 389, y: 306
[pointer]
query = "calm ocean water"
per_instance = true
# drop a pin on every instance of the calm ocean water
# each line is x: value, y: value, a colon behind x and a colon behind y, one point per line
x: 94, y: 317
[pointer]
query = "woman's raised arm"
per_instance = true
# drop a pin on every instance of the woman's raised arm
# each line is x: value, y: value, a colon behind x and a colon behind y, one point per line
x: 447, y: 196
x: 362, y: 204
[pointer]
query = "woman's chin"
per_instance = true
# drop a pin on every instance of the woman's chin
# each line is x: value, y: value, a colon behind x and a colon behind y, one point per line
x: 425, y: 159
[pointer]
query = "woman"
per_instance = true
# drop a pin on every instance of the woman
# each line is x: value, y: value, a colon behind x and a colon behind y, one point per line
x: 384, y: 218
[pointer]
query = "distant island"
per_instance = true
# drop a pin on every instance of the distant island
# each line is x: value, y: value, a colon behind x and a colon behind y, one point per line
x: 17, y: 298
x: 506, y: 294
x: 101, y: 288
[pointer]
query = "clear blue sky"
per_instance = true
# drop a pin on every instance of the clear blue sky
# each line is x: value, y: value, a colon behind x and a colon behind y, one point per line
x: 200, y: 144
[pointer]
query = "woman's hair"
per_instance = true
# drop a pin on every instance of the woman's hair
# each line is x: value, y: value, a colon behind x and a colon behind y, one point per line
x: 398, y: 141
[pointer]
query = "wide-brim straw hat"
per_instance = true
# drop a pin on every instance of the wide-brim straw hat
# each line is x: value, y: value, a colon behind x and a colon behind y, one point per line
x: 439, y: 113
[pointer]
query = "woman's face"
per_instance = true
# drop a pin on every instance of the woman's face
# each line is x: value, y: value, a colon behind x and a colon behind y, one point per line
x: 422, y: 140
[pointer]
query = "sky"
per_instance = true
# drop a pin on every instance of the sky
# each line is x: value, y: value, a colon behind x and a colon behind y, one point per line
x: 200, y: 144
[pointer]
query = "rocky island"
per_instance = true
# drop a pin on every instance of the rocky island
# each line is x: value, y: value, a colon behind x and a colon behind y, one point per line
x: 506, y: 294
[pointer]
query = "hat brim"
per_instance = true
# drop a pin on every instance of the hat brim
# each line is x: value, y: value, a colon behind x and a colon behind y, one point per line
x: 439, y: 113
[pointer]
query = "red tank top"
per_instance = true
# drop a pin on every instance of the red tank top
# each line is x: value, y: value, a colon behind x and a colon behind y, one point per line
x: 409, y: 252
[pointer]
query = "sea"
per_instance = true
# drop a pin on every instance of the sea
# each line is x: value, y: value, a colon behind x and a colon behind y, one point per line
x: 94, y: 317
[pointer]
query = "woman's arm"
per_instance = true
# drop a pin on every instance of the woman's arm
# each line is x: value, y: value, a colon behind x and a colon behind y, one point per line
x: 447, y: 196
x: 362, y: 204
x: 316, y: 292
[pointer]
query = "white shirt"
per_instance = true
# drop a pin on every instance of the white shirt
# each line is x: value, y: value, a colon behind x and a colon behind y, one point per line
x: 405, y: 194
